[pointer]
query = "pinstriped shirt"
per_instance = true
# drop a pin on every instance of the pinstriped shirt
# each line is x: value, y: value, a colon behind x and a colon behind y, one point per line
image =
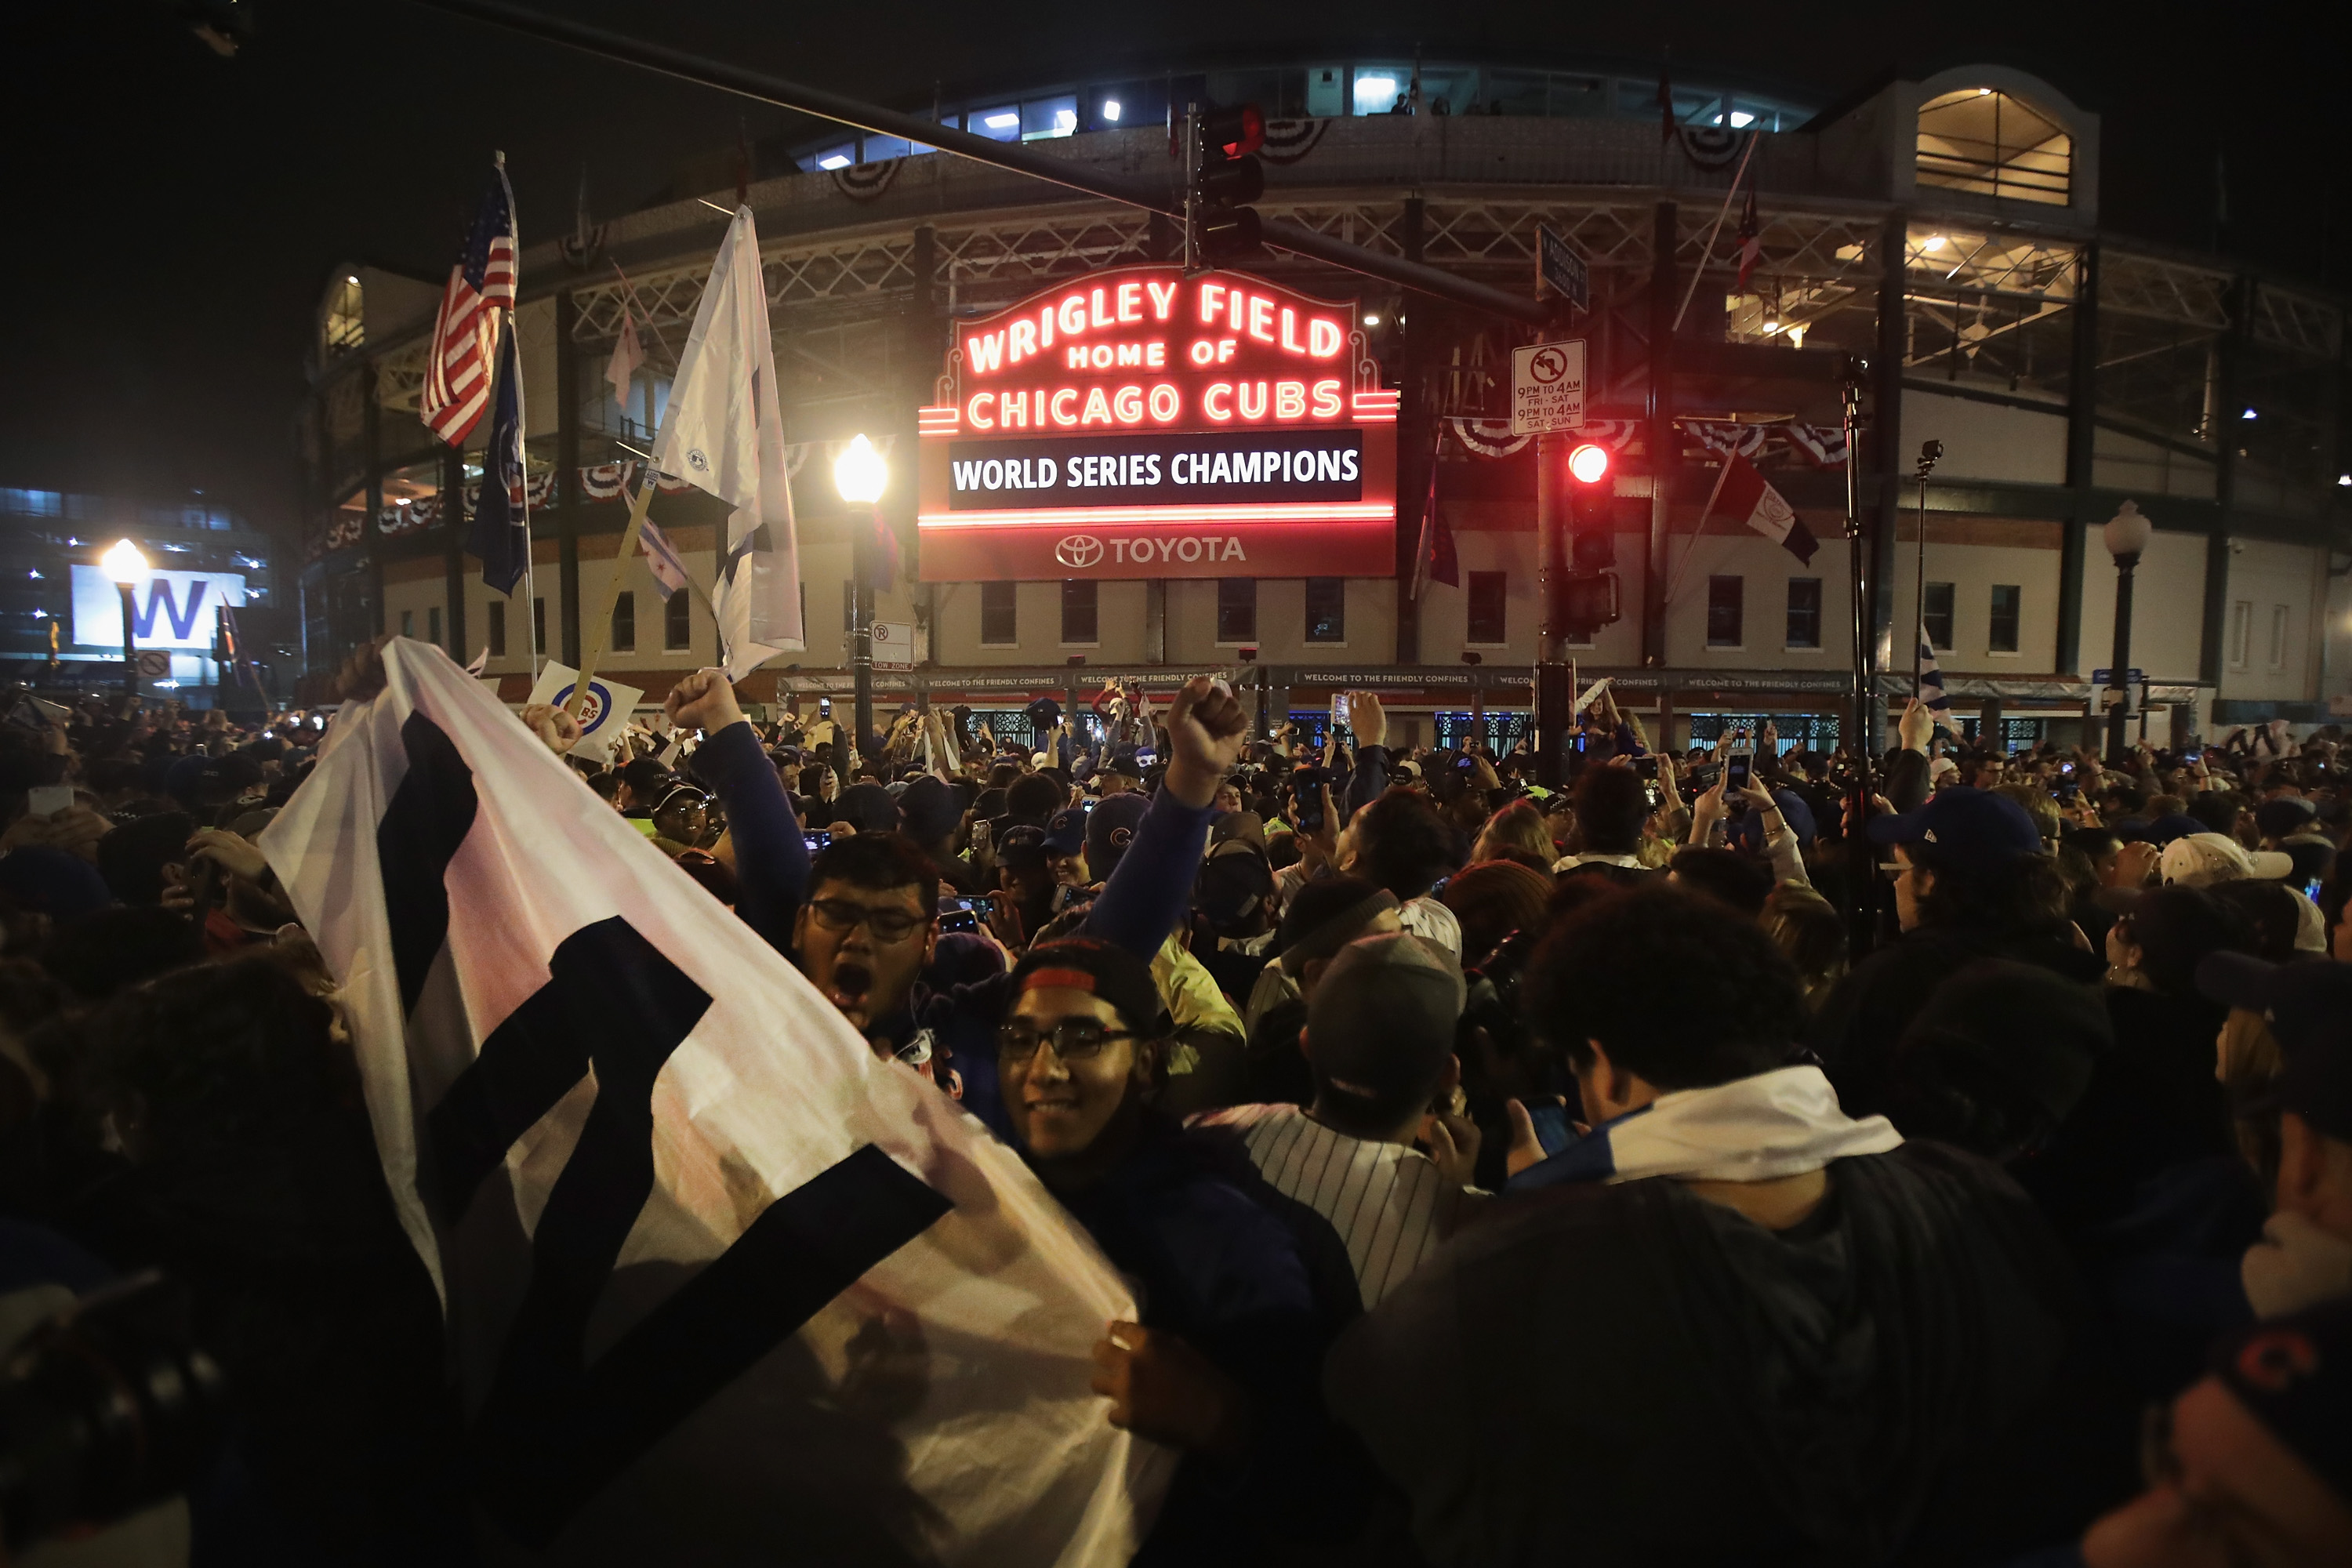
x: 1389, y: 1204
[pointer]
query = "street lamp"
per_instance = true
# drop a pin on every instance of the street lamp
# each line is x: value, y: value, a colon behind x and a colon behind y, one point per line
x: 861, y: 476
x: 2126, y: 536
x: 126, y: 568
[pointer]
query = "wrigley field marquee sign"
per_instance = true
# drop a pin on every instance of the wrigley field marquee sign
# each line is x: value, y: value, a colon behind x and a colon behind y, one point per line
x: 1139, y: 422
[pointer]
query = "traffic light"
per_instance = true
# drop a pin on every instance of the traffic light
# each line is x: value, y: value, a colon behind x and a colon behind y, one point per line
x: 1586, y: 598
x: 1592, y: 533
x: 1220, y: 226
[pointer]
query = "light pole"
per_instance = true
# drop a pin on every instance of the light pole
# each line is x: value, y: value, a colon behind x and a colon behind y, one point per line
x: 2126, y: 536
x: 125, y: 567
x: 861, y: 476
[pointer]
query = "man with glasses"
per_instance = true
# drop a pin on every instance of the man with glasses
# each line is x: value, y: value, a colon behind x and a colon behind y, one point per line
x: 860, y: 921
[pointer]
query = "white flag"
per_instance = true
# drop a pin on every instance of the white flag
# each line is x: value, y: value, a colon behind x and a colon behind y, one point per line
x: 723, y: 1286
x: 724, y: 433
x: 628, y: 356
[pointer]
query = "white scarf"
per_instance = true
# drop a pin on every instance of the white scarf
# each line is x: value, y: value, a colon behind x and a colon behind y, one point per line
x: 1780, y: 1123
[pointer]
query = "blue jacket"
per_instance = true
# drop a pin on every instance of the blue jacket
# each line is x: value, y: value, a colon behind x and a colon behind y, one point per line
x: 1139, y: 906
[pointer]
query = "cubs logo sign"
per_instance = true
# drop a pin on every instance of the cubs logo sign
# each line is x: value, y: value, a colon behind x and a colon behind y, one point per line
x: 593, y: 710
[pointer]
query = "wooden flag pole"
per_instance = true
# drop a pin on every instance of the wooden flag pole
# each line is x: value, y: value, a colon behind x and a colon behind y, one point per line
x: 602, y: 627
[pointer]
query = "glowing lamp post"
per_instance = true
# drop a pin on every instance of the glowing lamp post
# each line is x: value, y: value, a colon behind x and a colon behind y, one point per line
x: 126, y: 568
x: 2126, y: 536
x: 861, y: 476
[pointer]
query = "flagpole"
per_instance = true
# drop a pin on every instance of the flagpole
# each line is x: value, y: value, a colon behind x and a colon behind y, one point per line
x: 1707, y: 251
x: 522, y: 424
x: 1722, y: 472
x: 602, y: 626
x: 708, y: 603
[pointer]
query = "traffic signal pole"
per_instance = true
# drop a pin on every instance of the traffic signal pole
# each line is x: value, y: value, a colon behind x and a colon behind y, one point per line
x: 1152, y: 196
x: 1552, y: 700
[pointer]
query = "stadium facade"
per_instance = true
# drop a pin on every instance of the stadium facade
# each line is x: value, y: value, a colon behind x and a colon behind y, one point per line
x: 1947, y: 231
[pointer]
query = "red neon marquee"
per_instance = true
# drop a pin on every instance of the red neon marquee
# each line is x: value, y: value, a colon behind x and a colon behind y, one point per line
x: 1139, y: 422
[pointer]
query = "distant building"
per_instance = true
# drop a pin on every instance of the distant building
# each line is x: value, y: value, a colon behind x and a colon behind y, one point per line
x: 1948, y: 229
x: 203, y: 555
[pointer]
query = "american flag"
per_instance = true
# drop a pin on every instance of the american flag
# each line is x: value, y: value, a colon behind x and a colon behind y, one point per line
x: 481, y: 285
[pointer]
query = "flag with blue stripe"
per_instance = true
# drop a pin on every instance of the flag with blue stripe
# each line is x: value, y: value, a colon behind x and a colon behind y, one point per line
x: 1931, y: 683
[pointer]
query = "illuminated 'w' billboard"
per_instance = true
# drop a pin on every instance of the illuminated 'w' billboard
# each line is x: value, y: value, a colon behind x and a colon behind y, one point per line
x: 1139, y: 422
x: 170, y: 609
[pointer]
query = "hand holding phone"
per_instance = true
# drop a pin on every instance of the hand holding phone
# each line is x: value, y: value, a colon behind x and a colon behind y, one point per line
x: 48, y: 800
x: 1738, y: 770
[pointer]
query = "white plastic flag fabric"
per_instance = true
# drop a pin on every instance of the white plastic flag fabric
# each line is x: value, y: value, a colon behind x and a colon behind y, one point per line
x: 723, y: 1286
x: 628, y: 357
x: 724, y: 432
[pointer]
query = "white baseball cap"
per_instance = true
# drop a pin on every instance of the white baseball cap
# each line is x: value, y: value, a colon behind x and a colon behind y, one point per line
x: 2201, y: 859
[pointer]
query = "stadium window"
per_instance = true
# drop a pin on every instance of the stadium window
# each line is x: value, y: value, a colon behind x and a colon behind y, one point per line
x: 2279, y: 613
x: 1326, y: 609
x: 433, y: 624
x: 1080, y: 622
x: 625, y: 623
x: 1726, y: 611
x: 1489, y: 607
x: 407, y: 623
x: 678, y: 621
x: 497, y: 628
x: 1935, y: 614
x: 999, y: 622
x: 2242, y: 620
x: 1236, y: 610
x: 2007, y: 601
x: 539, y: 624
x: 1995, y: 144
x: 1804, y: 612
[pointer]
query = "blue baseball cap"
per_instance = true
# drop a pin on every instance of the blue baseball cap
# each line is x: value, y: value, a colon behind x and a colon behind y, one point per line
x: 1067, y: 833
x: 1111, y: 829
x: 1960, y: 828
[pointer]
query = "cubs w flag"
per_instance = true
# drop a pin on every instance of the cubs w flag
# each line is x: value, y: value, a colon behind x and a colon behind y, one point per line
x: 724, y: 432
x: 1931, y: 683
x: 1747, y: 495
x: 722, y: 1286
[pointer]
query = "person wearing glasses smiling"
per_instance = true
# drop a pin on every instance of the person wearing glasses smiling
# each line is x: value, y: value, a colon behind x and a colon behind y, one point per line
x: 860, y: 920
x: 1240, y: 1291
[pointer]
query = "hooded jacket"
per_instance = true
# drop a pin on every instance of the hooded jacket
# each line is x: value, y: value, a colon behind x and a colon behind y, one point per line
x: 1632, y: 1373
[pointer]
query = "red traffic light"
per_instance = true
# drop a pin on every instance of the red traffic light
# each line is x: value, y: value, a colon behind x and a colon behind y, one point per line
x: 1236, y: 132
x: 1588, y: 464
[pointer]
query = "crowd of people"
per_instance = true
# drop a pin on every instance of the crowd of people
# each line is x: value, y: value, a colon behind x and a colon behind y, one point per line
x: 1505, y: 1174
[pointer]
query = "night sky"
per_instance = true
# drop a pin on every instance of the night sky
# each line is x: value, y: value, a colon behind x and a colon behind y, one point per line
x: 176, y: 215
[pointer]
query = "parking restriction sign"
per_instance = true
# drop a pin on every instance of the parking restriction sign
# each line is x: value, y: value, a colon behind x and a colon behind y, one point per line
x: 1548, y: 388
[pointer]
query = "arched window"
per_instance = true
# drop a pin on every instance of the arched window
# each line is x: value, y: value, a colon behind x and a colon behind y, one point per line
x: 1981, y: 139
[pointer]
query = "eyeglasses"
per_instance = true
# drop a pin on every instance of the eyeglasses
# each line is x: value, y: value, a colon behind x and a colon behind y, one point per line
x: 1074, y: 1039
x: 888, y: 925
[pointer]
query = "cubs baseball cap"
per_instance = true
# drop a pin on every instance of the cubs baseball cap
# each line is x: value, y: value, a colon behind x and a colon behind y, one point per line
x: 1067, y: 833
x: 2201, y: 859
x: 2293, y: 1374
x: 1960, y: 828
x: 1111, y: 829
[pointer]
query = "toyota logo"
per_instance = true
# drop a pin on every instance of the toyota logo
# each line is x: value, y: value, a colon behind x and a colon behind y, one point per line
x: 1080, y: 551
